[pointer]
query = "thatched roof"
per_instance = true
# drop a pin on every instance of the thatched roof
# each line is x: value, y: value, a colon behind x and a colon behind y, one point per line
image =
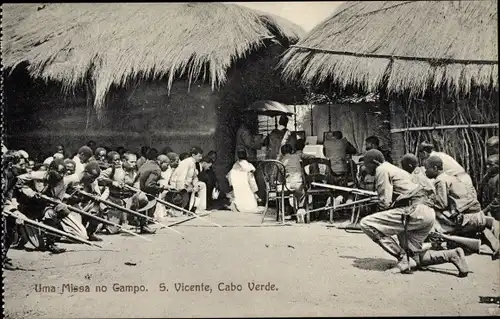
x: 430, y: 43
x: 111, y: 44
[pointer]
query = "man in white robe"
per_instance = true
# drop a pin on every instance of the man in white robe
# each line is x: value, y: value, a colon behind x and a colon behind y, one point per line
x: 242, y: 180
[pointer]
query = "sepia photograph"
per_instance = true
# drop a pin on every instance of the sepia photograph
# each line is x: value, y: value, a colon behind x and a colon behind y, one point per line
x: 250, y: 159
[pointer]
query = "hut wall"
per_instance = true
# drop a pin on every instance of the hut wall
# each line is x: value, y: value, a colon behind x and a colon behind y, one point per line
x: 466, y: 145
x: 356, y: 122
x: 143, y: 115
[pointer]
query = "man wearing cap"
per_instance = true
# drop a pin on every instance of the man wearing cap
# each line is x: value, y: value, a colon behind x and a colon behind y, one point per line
x: 450, y: 165
x: 458, y: 210
x: 403, y: 200
x: 82, y: 158
x: 35, y: 208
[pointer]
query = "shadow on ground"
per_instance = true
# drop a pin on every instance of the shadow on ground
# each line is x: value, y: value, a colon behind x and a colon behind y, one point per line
x: 374, y: 264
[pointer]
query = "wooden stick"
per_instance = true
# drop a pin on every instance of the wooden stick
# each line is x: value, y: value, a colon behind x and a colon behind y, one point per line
x: 186, y: 220
x: 83, y: 212
x: 346, y: 189
x: 49, y: 229
x: 126, y: 210
x: 335, y: 207
x: 173, y: 206
x: 443, y: 127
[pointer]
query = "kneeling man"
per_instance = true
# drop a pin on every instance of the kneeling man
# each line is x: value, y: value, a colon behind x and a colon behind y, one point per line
x: 458, y: 210
x: 413, y: 204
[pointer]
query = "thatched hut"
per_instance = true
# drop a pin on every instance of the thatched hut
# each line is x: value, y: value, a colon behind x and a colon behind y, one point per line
x: 434, y: 63
x: 139, y: 74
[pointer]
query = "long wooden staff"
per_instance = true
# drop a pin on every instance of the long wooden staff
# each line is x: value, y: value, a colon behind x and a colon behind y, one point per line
x: 186, y: 220
x: 49, y: 229
x: 126, y: 210
x: 365, y: 200
x: 173, y: 206
x: 346, y: 189
x: 83, y: 212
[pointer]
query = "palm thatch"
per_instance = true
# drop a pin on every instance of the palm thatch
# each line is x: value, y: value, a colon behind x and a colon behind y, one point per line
x: 105, y: 45
x: 414, y: 45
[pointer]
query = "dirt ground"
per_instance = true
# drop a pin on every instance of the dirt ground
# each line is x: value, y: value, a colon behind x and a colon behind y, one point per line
x: 316, y: 271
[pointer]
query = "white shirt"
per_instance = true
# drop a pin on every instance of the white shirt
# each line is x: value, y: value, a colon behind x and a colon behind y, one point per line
x: 184, y: 175
x: 165, y: 176
x: 79, y: 166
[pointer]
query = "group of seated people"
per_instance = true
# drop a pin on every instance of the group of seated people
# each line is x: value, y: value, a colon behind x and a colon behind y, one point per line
x: 119, y: 177
x: 434, y: 179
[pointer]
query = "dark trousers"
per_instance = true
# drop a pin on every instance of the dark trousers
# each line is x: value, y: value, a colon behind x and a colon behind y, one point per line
x: 9, y: 228
x: 210, y: 180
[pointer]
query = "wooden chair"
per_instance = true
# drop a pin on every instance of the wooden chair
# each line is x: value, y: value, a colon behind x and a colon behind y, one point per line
x: 356, y: 210
x: 311, y: 172
x: 274, y: 175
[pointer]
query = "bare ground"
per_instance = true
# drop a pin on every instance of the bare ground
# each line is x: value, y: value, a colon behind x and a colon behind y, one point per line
x: 318, y: 271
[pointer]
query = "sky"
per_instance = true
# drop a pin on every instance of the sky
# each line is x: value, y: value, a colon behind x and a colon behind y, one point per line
x: 306, y: 14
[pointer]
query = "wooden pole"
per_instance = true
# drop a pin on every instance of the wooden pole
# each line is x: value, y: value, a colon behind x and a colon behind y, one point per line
x: 188, y: 219
x: 49, y: 229
x: 346, y: 189
x: 312, y: 123
x: 336, y: 207
x: 85, y: 213
x: 398, y: 57
x: 394, y: 111
x: 442, y: 127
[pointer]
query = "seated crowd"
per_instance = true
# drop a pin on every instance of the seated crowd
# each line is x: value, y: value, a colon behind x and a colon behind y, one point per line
x: 119, y: 177
x: 431, y: 189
